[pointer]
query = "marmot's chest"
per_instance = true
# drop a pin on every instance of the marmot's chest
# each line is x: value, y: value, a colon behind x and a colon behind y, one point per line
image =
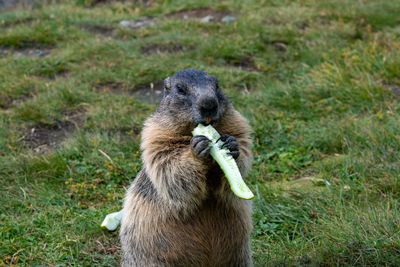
x: 214, y: 179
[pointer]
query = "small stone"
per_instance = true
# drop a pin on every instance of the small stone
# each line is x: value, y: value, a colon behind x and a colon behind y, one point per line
x: 207, y: 19
x: 185, y: 17
x: 35, y: 53
x: 228, y: 19
x: 136, y: 24
x: 125, y: 23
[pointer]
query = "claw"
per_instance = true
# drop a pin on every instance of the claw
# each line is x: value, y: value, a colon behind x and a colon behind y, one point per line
x: 220, y: 138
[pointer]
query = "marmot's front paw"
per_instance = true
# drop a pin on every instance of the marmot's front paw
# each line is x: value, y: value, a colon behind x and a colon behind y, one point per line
x: 200, y: 146
x: 231, y: 144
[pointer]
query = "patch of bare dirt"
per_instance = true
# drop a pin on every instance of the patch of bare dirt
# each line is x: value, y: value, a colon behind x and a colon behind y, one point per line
x: 26, y: 48
x: 42, y: 137
x: 25, y: 52
x: 151, y: 93
x: 164, y: 48
x: 200, y: 13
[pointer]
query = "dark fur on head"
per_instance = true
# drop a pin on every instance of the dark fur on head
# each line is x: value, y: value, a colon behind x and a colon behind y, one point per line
x: 193, y: 95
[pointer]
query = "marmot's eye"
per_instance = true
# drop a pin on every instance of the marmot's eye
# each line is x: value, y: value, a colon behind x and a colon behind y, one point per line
x: 181, y: 89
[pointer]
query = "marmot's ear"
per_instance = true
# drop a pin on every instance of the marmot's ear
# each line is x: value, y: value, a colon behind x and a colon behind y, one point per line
x: 214, y: 79
x: 167, y: 86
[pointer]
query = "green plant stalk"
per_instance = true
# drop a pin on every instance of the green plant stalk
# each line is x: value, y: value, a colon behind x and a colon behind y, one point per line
x: 225, y: 161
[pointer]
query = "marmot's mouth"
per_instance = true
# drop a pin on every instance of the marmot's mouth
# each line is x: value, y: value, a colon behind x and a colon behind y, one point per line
x: 207, y: 120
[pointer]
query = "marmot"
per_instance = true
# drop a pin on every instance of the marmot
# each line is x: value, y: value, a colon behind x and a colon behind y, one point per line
x: 180, y: 211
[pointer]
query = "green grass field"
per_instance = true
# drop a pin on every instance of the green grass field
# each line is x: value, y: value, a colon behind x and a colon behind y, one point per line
x: 318, y: 80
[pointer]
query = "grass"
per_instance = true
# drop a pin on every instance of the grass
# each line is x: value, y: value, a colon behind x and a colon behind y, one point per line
x: 319, y: 82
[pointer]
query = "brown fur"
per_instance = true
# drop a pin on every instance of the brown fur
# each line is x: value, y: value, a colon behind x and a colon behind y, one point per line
x: 180, y: 211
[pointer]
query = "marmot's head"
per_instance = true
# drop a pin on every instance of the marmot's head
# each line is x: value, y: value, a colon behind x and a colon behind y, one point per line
x: 194, y: 96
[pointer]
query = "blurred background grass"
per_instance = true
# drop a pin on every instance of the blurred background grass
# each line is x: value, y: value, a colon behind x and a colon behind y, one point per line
x: 318, y: 80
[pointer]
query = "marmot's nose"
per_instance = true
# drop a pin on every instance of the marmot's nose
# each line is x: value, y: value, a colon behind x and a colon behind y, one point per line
x: 208, y: 108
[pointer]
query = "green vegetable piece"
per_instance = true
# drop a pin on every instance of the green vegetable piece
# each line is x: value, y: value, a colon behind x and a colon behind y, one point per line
x: 112, y: 220
x: 225, y: 161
